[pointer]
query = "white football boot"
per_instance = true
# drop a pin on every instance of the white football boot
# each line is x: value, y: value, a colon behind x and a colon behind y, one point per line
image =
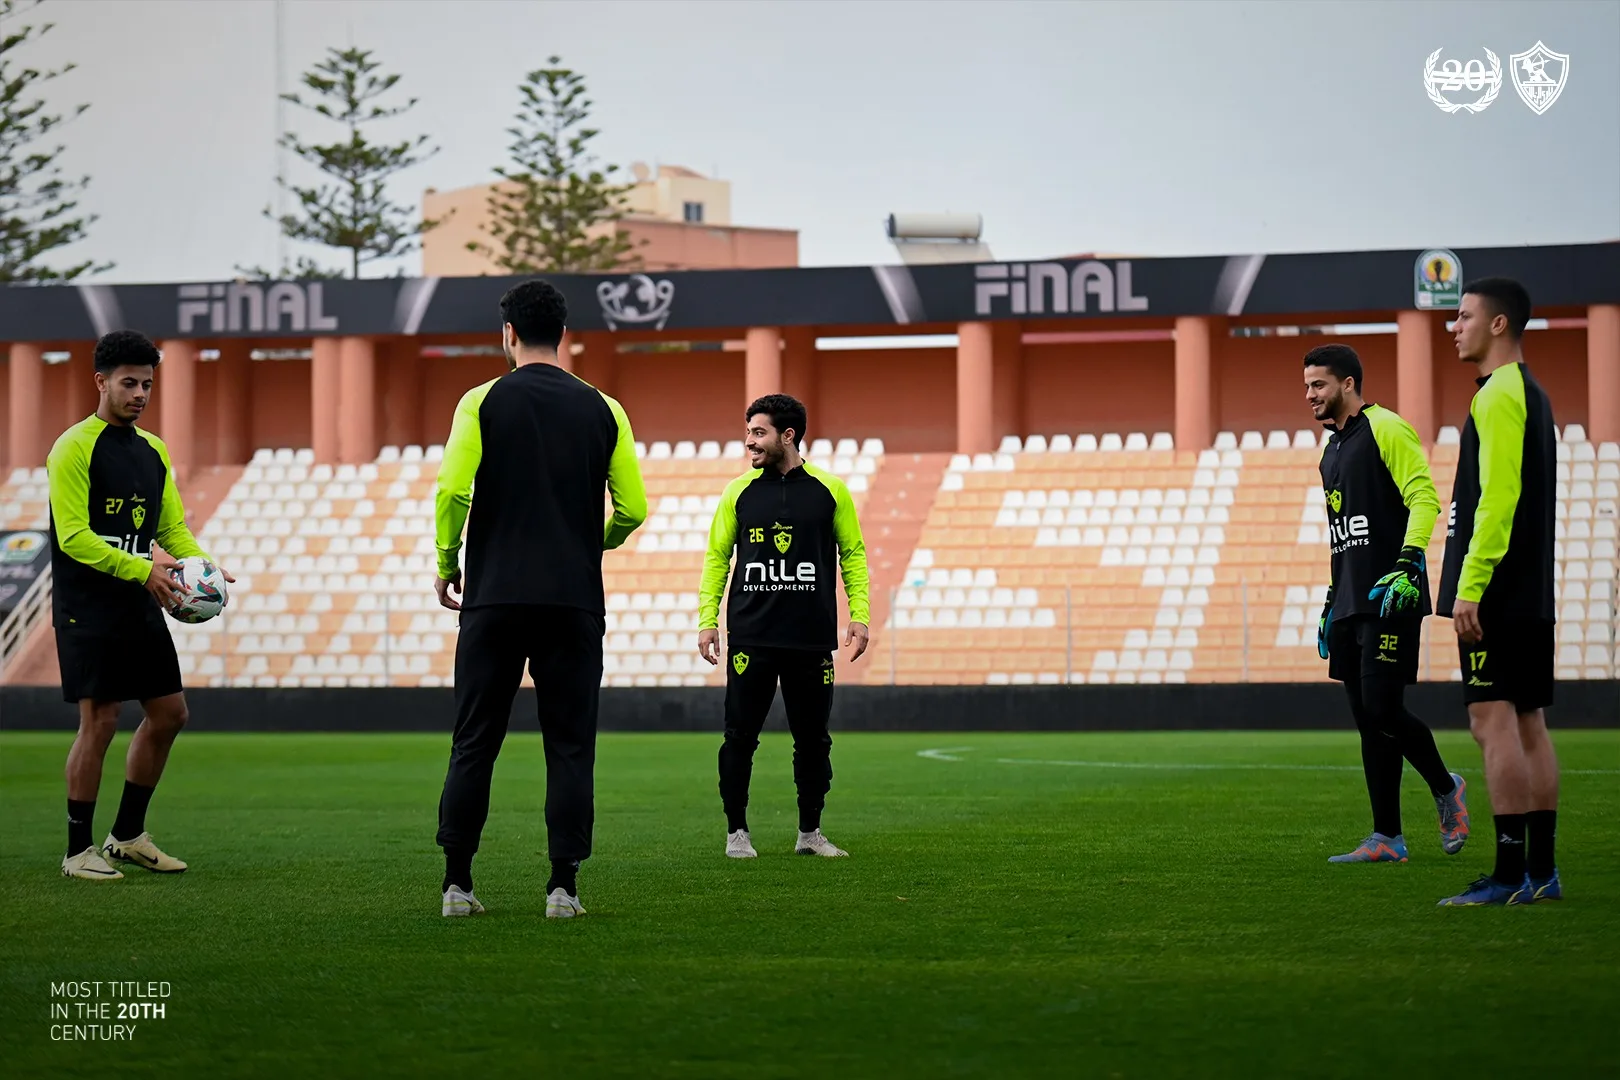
x: 813, y: 843
x: 739, y: 846
x: 458, y: 903
x: 559, y: 905
x: 141, y: 852
x: 89, y: 866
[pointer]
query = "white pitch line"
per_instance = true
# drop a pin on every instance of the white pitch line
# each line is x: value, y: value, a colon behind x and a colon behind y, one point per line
x: 950, y: 754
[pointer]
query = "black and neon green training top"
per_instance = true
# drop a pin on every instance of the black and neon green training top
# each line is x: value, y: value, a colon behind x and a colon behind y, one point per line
x: 539, y: 447
x: 788, y: 531
x: 1380, y: 498
x: 1499, y: 545
x: 112, y: 494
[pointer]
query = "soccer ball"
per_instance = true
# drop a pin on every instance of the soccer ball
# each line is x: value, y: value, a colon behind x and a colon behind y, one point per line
x: 205, y: 590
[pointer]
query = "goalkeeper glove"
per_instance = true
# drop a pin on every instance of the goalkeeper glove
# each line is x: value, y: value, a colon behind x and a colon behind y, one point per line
x: 1400, y: 591
x: 1324, y: 625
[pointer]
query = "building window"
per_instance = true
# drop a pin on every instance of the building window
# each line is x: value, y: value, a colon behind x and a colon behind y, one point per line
x: 692, y: 211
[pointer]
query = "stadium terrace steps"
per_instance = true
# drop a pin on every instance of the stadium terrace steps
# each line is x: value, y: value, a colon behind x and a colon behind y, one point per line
x: 892, y: 519
x: 1112, y: 559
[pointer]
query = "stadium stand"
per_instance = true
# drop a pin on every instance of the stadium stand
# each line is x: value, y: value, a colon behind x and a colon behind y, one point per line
x: 1060, y: 558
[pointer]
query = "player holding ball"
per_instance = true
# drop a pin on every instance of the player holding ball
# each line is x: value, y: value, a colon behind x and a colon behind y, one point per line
x: 113, y: 495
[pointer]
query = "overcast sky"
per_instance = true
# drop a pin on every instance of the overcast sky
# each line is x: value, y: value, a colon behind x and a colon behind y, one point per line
x: 1150, y: 128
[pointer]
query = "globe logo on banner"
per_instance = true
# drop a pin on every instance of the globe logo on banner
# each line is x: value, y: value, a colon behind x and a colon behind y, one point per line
x: 1454, y: 77
x: 638, y: 301
x: 1536, y: 87
x: 1437, y: 280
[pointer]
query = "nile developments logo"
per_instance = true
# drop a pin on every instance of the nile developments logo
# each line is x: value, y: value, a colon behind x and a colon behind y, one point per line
x: 1335, y: 501
x: 739, y: 662
x: 783, y: 537
x: 637, y: 301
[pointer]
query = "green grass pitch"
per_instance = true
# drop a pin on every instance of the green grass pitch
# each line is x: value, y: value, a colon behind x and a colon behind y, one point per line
x: 1013, y: 912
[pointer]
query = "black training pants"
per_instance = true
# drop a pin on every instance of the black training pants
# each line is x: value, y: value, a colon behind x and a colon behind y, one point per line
x: 806, y: 677
x: 563, y: 647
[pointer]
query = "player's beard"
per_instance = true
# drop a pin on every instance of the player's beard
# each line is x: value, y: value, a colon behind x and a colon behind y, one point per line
x: 1330, y: 408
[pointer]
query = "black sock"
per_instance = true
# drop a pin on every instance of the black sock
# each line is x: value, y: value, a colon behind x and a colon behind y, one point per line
x: 1509, y: 850
x: 131, y: 820
x: 1381, y: 764
x: 809, y: 818
x: 457, y: 870
x: 79, y: 815
x: 737, y: 819
x: 563, y: 875
x: 1543, y: 830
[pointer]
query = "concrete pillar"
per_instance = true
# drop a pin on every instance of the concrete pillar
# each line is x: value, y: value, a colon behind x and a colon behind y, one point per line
x: 402, y: 412
x: 1007, y: 348
x: 357, y: 400
x: 799, y: 375
x: 1195, y: 409
x: 233, y: 421
x: 1414, y: 371
x: 324, y: 405
x: 82, y: 398
x: 27, y: 401
x: 975, y: 388
x: 176, y: 381
x: 764, y: 363
x: 595, y: 362
x: 1603, y: 372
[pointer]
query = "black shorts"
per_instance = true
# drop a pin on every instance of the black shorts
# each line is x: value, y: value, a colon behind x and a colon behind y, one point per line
x: 1513, y: 661
x: 137, y: 664
x: 1368, y: 647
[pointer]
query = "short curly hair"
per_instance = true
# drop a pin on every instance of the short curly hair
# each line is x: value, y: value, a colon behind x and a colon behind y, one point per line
x: 125, y: 348
x: 785, y: 412
x: 537, y: 313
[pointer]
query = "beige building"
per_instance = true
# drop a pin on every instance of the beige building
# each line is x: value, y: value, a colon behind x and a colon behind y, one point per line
x: 678, y: 219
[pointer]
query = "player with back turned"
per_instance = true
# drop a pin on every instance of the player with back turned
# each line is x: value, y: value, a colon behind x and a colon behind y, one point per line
x: 1381, y: 507
x: 1497, y: 586
x: 113, y: 495
x: 790, y: 524
x: 530, y: 460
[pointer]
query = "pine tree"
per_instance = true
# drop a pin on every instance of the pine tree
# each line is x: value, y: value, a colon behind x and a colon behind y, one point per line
x: 37, y: 203
x: 548, y: 213
x: 351, y: 209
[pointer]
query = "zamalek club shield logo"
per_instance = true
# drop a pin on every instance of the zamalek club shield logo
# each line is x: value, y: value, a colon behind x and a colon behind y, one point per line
x: 1537, y: 86
x: 739, y: 662
x: 783, y: 537
x: 138, y: 516
x: 1335, y: 501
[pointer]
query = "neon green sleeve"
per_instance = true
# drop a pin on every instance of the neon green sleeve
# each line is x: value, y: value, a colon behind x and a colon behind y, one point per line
x: 717, y: 558
x: 67, y: 469
x: 173, y: 534
x: 452, y: 496
x: 1499, y: 412
x: 1402, y: 451
x: 625, y: 486
x: 851, y: 546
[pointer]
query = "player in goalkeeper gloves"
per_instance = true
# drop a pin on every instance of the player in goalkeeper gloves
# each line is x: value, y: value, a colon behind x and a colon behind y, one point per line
x: 1400, y: 592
